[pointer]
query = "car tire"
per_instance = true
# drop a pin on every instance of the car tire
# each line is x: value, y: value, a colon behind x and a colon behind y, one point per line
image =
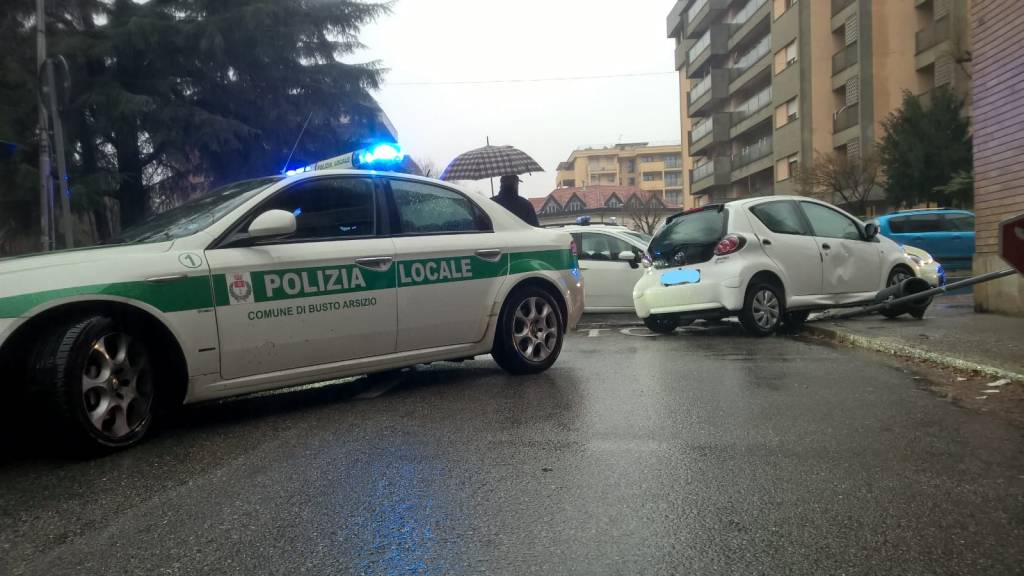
x: 100, y: 384
x: 897, y: 275
x: 794, y: 322
x: 530, y: 332
x: 662, y: 323
x: 763, y: 308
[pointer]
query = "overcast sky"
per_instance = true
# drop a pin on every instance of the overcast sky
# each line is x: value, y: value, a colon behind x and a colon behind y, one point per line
x: 479, y: 40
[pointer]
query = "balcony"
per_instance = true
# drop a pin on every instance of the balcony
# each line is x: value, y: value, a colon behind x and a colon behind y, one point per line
x: 713, y: 44
x: 845, y: 58
x: 713, y: 131
x: 676, y: 19
x: 838, y: 5
x: 752, y: 19
x: 932, y: 35
x: 752, y: 112
x: 754, y: 63
x: 712, y: 88
x: 846, y: 118
x: 752, y: 153
x: 714, y: 173
x: 701, y: 14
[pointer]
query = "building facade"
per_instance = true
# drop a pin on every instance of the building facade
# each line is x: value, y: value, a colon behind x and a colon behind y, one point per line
x: 998, y: 113
x: 766, y: 84
x: 657, y: 169
x: 629, y: 206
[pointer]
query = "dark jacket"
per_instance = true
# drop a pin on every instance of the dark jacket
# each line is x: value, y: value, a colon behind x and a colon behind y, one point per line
x: 519, y: 206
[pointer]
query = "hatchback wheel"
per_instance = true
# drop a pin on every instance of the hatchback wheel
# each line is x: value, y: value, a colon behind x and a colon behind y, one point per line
x: 661, y: 323
x: 530, y: 332
x: 763, y: 309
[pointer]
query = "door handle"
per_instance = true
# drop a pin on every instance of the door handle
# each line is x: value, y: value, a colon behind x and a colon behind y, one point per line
x: 826, y: 247
x: 375, y: 262
x: 766, y: 242
x: 489, y: 253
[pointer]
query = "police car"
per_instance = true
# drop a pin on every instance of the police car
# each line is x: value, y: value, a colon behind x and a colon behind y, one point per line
x: 280, y: 281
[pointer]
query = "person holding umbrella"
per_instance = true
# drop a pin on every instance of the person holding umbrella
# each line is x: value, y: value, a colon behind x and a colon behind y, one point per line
x: 492, y: 161
x: 509, y: 198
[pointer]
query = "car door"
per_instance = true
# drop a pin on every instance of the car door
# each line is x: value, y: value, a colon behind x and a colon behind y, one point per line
x: 959, y: 227
x: 849, y: 263
x: 786, y: 239
x: 607, y: 280
x: 450, y: 265
x: 325, y: 293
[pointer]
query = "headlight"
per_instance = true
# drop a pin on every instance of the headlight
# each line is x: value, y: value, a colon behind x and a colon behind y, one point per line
x: 916, y: 259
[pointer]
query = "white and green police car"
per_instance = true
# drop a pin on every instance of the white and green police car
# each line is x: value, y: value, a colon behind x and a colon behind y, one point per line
x: 276, y: 282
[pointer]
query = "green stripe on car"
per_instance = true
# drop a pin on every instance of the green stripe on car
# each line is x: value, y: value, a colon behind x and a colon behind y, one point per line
x: 196, y: 292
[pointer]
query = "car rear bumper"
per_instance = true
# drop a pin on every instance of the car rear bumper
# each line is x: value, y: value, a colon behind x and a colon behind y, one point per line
x: 709, y: 296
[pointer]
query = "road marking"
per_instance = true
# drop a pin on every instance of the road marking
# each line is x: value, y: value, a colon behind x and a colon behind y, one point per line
x: 629, y: 332
x: 595, y: 332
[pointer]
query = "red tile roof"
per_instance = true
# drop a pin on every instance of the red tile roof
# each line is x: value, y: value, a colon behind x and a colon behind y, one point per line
x: 597, y: 196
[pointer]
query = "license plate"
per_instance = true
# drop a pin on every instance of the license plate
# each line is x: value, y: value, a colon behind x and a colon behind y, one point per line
x: 682, y: 276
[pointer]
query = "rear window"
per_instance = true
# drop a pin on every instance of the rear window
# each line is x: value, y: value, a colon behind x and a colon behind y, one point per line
x: 694, y: 235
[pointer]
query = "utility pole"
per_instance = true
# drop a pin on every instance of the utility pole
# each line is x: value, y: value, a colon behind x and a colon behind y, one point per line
x: 45, y: 181
x: 62, y: 169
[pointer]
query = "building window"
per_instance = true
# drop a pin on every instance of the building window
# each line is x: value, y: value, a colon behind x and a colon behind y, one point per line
x: 568, y: 183
x: 630, y: 165
x: 550, y: 208
x: 674, y: 197
x: 652, y: 176
x: 779, y: 7
x: 613, y: 202
x: 787, y: 112
x: 786, y: 168
x: 673, y: 179
x: 632, y: 180
x: 786, y: 57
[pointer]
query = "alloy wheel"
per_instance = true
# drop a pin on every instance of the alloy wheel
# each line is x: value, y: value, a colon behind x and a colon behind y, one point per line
x: 117, y: 385
x: 535, y: 329
x: 766, y: 309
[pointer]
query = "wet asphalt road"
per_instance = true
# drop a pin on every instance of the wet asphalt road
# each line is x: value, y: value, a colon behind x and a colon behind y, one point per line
x: 699, y: 453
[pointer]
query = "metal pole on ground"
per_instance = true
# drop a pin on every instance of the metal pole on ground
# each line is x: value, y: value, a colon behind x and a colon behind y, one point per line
x: 62, y: 169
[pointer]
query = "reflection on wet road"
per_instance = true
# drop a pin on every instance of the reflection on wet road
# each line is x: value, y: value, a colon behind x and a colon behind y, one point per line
x: 702, y: 452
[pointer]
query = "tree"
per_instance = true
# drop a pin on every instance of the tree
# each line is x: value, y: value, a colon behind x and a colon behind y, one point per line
x: 209, y: 90
x: 644, y: 210
x: 960, y: 189
x: 841, y: 178
x: 923, y: 147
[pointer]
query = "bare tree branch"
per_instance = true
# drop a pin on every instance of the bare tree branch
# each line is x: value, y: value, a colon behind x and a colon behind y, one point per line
x: 643, y: 210
x: 841, y: 179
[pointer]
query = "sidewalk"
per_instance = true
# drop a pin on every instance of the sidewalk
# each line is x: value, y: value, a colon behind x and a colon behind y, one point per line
x: 951, y: 334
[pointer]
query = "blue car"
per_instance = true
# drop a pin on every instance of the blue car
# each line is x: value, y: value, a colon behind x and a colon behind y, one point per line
x: 945, y: 233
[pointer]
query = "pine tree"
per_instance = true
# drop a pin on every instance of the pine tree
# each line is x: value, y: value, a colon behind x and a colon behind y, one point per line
x: 923, y: 147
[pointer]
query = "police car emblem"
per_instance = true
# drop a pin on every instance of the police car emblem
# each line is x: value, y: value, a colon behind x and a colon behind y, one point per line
x: 240, y: 288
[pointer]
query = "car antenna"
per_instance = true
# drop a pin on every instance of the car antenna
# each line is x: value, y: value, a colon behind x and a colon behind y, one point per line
x: 297, y: 140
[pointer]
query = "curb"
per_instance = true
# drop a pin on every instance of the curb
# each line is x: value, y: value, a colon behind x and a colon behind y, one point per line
x: 895, y: 348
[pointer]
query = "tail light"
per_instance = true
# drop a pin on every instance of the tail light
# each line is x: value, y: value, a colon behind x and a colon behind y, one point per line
x: 729, y: 244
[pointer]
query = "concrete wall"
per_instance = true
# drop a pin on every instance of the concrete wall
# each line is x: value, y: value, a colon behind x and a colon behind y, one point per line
x: 998, y: 111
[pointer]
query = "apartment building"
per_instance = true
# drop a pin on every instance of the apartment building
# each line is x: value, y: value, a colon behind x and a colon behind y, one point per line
x: 654, y: 168
x: 765, y: 84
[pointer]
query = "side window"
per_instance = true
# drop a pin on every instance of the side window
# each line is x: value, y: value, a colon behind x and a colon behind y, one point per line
x: 598, y: 246
x: 780, y: 217
x: 329, y: 208
x: 828, y: 223
x: 959, y: 223
x: 428, y: 209
x: 898, y: 225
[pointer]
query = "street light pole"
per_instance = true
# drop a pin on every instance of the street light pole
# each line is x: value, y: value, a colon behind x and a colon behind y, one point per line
x: 45, y: 181
x: 62, y: 169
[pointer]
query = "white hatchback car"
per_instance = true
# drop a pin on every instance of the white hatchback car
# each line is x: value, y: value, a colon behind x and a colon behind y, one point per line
x: 281, y: 281
x: 610, y: 258
x: 770, y: 261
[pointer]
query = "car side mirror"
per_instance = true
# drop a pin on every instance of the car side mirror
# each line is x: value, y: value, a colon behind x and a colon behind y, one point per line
x: 272, y: 223
x: 870, y: 231
x: 630, y: 257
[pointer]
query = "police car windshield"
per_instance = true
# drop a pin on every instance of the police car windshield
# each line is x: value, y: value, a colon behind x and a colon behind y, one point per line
x: 195, y: 215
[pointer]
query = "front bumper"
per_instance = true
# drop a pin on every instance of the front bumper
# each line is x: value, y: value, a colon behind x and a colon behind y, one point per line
x: 651, y: 297
x: 7, y: 326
